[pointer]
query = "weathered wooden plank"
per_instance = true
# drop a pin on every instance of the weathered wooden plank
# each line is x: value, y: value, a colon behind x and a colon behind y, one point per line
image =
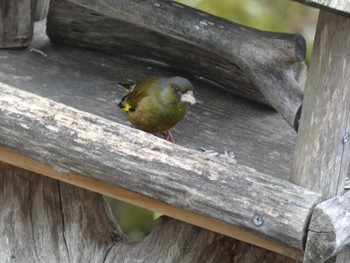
x: 322, y: 156
x: 16, y: 23
x: 14, y: 158
x: 322, y: 152
x: 329, y: 230
x: 73, y: 141
x: 335, y: 5
x: 241, y: 59
x: 44, y: 220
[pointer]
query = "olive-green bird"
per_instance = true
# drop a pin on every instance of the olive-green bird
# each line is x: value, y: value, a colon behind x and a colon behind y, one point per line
x: 157, y: 104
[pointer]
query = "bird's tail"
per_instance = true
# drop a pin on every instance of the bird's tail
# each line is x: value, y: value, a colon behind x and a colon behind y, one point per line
x: 127, y: 87
x: 124, y: 105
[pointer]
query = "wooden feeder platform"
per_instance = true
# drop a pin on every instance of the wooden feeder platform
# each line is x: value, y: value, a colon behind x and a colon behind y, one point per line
x: 59, y: 118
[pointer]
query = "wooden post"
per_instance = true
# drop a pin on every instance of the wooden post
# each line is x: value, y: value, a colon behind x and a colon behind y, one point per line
x: 41, y: 9
x: 322, y: 152
x: 16, y: 23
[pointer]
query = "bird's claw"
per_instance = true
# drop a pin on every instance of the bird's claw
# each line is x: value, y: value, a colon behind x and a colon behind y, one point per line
x: 168, y: 136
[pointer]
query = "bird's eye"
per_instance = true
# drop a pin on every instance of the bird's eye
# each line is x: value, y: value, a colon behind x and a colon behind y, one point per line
x: 177, y: 90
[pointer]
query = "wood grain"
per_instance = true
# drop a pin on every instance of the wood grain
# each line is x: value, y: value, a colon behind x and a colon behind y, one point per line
x: 51, y: 221
x: 329, y: 230
x: 46, y: 220
x: 73, y: 141
x: 19, y: 160
x: 321, y: 158
x: 252, y: 63
x: 16, y: 23
x: 173, y: 241
x: 322, y: 154
x: 85, y: 79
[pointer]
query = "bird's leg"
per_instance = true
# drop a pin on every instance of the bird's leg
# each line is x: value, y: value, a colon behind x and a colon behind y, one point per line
x: 168, y: 136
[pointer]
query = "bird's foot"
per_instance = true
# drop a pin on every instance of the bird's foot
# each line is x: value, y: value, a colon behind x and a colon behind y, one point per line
x: 168, y: 136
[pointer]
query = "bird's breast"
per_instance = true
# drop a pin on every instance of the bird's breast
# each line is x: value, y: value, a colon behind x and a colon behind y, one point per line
x: 151, y: 117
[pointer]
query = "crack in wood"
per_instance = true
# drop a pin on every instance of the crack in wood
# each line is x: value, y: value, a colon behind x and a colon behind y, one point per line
x: 62, y: 218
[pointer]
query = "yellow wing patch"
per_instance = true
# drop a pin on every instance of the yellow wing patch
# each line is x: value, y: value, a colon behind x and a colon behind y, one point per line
x: 128, y: 108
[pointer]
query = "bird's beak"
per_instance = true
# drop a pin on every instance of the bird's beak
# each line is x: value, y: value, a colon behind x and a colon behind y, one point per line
x: 188, y: 97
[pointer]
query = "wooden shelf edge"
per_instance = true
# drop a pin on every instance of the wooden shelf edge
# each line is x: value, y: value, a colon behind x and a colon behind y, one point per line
x: 11, y: 157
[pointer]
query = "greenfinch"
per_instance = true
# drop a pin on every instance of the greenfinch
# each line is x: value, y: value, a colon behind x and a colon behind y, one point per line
x: 157, y: 104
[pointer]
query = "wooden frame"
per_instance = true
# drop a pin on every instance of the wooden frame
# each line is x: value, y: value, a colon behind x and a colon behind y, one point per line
x: 322, y: 153
x: 124, y: 158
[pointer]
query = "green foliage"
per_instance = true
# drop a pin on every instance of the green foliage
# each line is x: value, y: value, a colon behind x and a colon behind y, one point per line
x: 135, y: 222
x: 268, y: 15
x: 272, y: 15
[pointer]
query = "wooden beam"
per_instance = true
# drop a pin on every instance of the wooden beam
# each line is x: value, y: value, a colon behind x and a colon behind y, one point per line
x: 322, y: 152
x: 19, y: 160
x: 69, y: 141
x: 329, y: 230
x: 259, y: 65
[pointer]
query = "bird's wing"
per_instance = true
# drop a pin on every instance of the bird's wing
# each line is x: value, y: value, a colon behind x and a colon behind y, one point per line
x: 140, y: 91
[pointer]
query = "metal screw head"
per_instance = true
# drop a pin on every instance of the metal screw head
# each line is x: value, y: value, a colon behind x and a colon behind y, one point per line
x: 346, y: 138
x: 258, y: 220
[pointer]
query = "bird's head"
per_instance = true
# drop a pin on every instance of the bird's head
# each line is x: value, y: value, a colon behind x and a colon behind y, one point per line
x: 177, y: 90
